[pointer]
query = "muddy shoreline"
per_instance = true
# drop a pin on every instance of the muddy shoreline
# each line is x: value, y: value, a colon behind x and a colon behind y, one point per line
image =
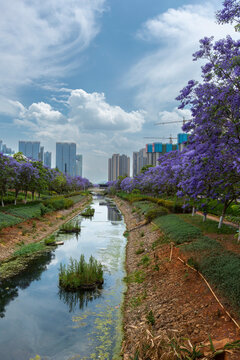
x: 164, y: 299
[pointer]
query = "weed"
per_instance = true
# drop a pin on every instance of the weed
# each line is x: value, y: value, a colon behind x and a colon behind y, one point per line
x: 139, y: 251
x: 88, y: 212
x: 142, y: 234
x: 156, y: 267
x: 133, y: 211
x: 136, y: 276
x: 29, y: 249
x: 34, y: 225
x: 126, y: 234
x: 80, y: 274
x: 24, y: 232
x: 145, y: 260
x: 150, y: 318
x: 50, y: 240
x: 70, y: 228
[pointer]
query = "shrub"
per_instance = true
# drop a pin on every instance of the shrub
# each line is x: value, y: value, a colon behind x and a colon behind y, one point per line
x: 81, y: 275
x: 58, y: 203
x: 153, y: 213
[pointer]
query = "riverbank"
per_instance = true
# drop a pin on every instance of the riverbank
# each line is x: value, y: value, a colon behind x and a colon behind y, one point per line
x: 36, y: 229
x: 166, y: 300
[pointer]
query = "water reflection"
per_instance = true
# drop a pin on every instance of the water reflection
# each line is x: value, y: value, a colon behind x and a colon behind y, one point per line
x: 113, y: 213
x: 9, y: 288
x: 78, y: 300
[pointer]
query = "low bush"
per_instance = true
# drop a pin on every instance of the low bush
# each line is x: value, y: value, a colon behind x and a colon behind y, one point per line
x: 58, y: 203
x: 80, y: 274
x: 154, y: 213
x: 177, y: 229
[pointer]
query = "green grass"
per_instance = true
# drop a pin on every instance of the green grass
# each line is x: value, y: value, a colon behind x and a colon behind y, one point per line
x: 76, y: 198
x: 80, y: 274
x: 177, y: 229
x: 137, y: 276
x: 223, y: 271
x: 28, y: 249
x: 209, y: 226
x: 26, y: 211
x: 8, y: 220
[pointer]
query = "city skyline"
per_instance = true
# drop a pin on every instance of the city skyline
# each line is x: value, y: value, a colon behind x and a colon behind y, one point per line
x: 79, y: 79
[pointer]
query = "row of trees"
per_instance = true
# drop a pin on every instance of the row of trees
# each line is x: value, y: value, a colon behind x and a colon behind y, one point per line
x: 209, y: 166
x: 19, y: 173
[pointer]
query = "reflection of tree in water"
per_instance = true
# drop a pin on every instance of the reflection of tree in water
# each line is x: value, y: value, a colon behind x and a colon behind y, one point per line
x: 79, y: 299
x: 9, y: 288
x: 113, y: 213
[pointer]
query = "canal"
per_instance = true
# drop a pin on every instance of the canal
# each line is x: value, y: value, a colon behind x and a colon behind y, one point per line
x: 37, y: 318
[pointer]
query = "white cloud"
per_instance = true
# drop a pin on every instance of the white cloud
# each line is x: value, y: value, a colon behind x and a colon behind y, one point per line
x: 40, y: 38
x: 98, y: 128
x: 92, y: 112
x: 160, y: 75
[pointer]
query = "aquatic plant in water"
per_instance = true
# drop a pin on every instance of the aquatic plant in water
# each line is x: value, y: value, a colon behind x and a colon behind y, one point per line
x: 80, y: 274
x: 88, y: 212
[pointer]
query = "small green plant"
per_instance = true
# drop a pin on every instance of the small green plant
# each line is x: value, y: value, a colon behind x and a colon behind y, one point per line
x: 136, y: 276
x: 139, y: 251
x: 70, y: 228
x: 37, y: 357
x: 24, y: 232
x: 50, y: 240
x: 88, y: 212
x: 145, y: 260
x: 80, y: 274
x: 142, y: 234
x: 150, y: 318
x: 126, y: 233
x: 28, y: 249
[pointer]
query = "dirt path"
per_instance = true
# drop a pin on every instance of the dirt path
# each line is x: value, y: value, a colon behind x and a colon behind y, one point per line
x: 166, y: 299
x: 34, y: 230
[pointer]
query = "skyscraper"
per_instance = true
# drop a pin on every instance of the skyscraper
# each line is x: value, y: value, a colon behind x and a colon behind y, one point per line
x: 139, y: 160
x: 66, y: 158
x: 48, y: 159
x: 30, y: 149
x: 118, y: 165
x: 78, y: 165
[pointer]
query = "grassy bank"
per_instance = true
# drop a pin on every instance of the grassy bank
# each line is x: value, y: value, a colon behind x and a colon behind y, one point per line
x: 200, y: 244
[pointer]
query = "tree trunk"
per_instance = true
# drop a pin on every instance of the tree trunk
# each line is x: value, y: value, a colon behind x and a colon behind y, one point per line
x: 223, y: 214
x: 193, y: 211
x: 16, y: 195
x: 25, y: 201
x: 204, y: 216
x: 32, y: 195
x: 238, y: 240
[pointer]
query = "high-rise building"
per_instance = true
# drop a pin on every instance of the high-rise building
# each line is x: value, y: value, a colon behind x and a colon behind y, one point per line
x: 139, y: 160
x: 155, y: 150
x: 41, y: 154
x: 66, y: 158
x: 5, y: 150
x: 48, y: 159
x: 78, y: 165
x: 30, y: 149
x: 118, y: 165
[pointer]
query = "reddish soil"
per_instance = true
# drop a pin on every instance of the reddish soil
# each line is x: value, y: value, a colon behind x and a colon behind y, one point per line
x: 181, y: 303
x: 34, y: 230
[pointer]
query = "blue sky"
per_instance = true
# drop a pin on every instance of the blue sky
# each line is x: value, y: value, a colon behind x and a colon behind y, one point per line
x: 98, y: 72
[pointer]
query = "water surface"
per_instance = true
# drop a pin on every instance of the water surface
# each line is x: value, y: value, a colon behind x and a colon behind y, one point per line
x: 39, y: 318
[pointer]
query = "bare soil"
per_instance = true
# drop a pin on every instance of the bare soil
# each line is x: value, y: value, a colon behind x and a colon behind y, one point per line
x: 34, y: 230
x: 181, y: 303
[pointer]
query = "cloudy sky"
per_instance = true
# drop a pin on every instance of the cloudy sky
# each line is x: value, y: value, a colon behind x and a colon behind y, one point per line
x: 100, y: 73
